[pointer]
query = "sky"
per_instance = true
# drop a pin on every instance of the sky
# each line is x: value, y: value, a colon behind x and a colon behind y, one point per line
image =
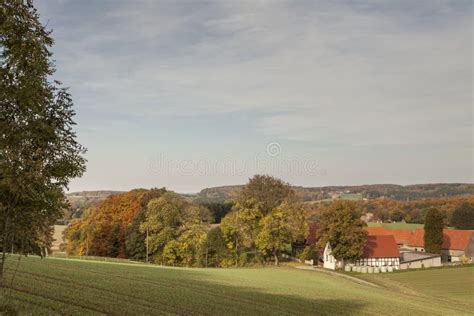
x: 195, y: 94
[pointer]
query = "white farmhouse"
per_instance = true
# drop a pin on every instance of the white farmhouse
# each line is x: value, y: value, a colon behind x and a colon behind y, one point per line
x: 379, y: 251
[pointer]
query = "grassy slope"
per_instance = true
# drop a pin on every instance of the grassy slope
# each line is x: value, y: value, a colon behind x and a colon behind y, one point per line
x: 60, y: 285
x: 454, y: 284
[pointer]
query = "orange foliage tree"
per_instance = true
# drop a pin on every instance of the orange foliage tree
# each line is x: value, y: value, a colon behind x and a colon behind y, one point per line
x: 101, y: 230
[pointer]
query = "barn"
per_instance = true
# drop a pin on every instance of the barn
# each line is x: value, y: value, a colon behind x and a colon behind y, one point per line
x: 418, y: 260
x: 458, y: 245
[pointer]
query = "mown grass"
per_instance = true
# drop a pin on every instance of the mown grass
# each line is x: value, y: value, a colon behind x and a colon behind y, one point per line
x: 68, y: 286
x: 453, y: 283
x: 409, y: 226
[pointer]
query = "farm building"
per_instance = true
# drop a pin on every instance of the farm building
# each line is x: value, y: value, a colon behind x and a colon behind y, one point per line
x: 457, y: 244
x: 379, y: 251
x: 402, y: 237
x: 416, y: 260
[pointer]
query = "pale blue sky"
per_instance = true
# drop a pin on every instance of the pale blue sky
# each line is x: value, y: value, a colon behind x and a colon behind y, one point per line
x: 188, y: 94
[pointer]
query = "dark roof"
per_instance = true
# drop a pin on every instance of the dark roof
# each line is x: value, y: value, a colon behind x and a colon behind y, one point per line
x: 381, y: 246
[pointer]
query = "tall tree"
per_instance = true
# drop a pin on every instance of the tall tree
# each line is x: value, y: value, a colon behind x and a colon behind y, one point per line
x: 135, y: 240
x: 39, y: 153
x: 274, y: 233
x: 266, y: 193
x: 433, y: 231
x: 214, y: 248
x: 254, y: 215
x: 342, y: 227
x: 176, y: 229
x: 463, y: 216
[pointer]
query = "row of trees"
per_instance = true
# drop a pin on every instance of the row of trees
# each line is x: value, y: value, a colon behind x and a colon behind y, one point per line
x: 264, y: 221
x: 169, y: 229
x: 456, y: 211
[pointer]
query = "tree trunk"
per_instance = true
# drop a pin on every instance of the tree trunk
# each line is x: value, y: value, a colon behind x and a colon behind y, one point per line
x: 237, y: 252
x: 4, y: 249
x: 2, y: 265
x: 275, y: 255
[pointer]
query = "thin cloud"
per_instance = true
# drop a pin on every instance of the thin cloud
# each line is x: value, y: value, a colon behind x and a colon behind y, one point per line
x: 365, y: 73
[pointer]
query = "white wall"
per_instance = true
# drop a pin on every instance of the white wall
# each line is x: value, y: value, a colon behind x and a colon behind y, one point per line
x: 328, y: 258
x: 422, y: 263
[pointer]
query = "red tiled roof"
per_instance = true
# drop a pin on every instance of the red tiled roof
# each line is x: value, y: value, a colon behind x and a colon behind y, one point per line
x: 377, y: 230
x: 453, y: 239
x: 417, y: 239
x: 381, y: 246
x: 402, y: 236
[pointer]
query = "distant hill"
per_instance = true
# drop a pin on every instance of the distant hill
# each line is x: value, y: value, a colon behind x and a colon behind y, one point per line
x: 373, y: 191
x: 80, y: 201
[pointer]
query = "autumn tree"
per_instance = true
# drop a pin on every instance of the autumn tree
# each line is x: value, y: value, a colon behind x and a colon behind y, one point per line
x: 342, y: 227
x: 135, y: 242
x: 274, y: 233
x: 101, y: 231
x: 265, y: 193
x: 39, y: 153
x: 238, y: 232
x: 463, y: 216
x: 176, y: 229
x: 258, y: 208
x: 298, y: 218
x: 433, y: 231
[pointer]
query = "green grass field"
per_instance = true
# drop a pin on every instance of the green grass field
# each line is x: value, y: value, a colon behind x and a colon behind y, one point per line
x: 67, y: 286
x: 396, y: 225
x: 452, y: 284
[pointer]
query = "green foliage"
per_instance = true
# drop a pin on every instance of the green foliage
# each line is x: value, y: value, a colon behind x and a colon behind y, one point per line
x: 177, y: 230
x: 113, y: 241
x: 463, y: 216
x: 434, y: 225
x: 274, y: 234
x: 135, y: 243
x: 266, y: 217
x: 39, y: 153
x: 265, y: 193
x: 215, y: 248
x: 396, y: 215
x: 342, y: 227
x: 218, y: 210
x: 308, y: 253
